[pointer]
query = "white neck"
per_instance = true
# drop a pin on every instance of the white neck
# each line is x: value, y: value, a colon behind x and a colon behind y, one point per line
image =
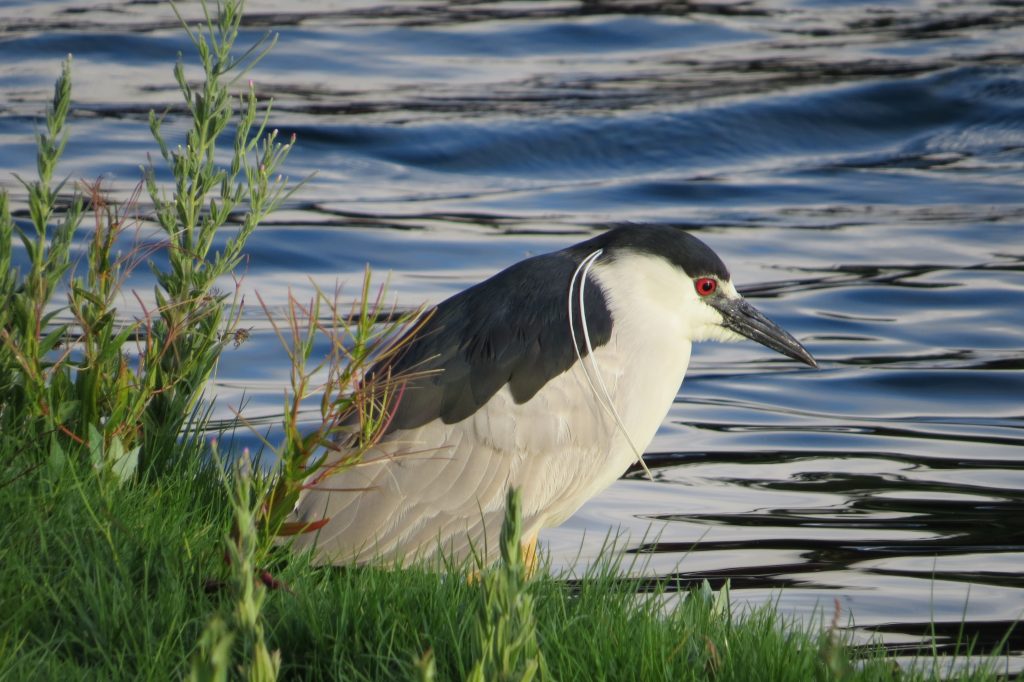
x: 646, y: 358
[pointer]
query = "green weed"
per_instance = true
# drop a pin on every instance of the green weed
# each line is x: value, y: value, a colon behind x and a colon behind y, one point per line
x: 77, y: 390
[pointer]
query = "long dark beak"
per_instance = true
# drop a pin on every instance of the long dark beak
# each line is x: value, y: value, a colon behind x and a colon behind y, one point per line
x: 745, y: 319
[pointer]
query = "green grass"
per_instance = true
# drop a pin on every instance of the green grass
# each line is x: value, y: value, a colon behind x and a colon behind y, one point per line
x: 128, y: 552
x: 102, y: 586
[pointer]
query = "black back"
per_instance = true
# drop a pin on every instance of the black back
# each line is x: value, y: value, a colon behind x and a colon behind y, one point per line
x: 514, y: 327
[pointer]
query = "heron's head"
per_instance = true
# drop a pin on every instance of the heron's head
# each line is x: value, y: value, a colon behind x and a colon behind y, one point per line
x: 682, y: 276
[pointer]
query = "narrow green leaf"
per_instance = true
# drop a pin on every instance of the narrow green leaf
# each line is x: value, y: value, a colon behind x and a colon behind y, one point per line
x: 126, y: 464
x: 66, y: 409
x: 95, y: 446
x: 51, y: 340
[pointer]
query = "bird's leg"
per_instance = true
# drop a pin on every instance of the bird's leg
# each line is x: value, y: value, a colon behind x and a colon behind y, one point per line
x: 529, y: 548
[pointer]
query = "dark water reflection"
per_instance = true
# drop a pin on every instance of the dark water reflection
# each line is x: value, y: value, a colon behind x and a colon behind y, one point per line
x: 859, y: 166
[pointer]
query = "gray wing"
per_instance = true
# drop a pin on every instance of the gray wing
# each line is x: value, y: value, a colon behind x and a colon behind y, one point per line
x: 510, y: 329
x: 418, y: 491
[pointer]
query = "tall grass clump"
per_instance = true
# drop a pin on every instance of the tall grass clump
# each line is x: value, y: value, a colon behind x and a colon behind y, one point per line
x: 36, y: 387
x: 78, y: 382
x: 354, y: 406
x: 96, y: 409
x: 192, y: 323
x: 234, y: 643
x: 506, y: 627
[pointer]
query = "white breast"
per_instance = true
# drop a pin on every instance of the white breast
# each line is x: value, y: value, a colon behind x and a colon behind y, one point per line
x: 566, y: 444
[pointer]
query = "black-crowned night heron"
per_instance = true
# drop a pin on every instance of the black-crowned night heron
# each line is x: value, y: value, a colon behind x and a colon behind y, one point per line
x: 552, y: 376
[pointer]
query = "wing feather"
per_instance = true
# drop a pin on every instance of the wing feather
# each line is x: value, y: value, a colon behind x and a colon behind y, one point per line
x: 438, y: 478
x: 512, y: 329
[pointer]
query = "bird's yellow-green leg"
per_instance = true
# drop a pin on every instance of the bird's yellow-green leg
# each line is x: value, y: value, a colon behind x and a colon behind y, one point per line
x: 529, y: 547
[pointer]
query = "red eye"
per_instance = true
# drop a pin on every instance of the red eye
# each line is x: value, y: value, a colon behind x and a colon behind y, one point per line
x: 705, y: 285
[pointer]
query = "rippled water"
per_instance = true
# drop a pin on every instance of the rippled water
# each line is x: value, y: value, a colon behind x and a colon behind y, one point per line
x: 858, y: 165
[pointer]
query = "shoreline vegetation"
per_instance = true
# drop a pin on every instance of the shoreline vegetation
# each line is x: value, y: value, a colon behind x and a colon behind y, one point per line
x: 131, y: 550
